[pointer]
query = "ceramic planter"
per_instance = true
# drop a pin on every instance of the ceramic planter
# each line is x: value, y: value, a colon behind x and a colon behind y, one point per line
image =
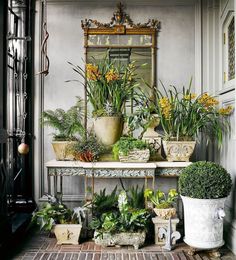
x: 178, y: 151
x: 136, y: 239
x: 67, y: 233
x: 165, y: 213
x: 203, y: 222
x: 135, y: 156
x: 153, y: 138
x: 108, y: 130
x: 61, y: 150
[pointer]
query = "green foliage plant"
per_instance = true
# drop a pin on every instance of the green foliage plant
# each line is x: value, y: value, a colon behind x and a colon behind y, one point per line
x: 140, y: 118
x: 136, y: 197
x: 146, y: 111
x: 66, y: 123
x: 205, y: 180
x: 87, y: 150
x: 108, y: 85
x: 126, y: 144
x: 160, y: 199
x: 56, y: 213
x: 116, y: 214
x: 183, y: 115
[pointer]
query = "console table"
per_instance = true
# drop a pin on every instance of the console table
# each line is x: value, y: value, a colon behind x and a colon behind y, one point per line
x: 91, y: 171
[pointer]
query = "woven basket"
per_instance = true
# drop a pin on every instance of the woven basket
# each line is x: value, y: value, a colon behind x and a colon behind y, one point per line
x: 135, y: 156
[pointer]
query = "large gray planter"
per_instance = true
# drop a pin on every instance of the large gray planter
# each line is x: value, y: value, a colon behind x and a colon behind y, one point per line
x: 108, y: 129
x: 203, y: 222
x: 123, y: 239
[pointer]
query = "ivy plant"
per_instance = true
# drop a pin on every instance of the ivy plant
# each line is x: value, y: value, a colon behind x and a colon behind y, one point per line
x: 126, y: 144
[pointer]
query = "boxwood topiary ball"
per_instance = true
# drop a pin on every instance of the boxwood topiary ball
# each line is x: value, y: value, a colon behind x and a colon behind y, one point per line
x: 205, y: 180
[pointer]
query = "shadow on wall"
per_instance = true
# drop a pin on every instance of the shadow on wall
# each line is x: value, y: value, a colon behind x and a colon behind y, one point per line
x: 228, y: 229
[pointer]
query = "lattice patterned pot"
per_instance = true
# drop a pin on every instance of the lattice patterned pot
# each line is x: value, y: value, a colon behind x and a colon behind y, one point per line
x: 179, y: 151
x: 136, y: 239
x: 165, y: 213
x: 67, y: 233
x: 135, y: 156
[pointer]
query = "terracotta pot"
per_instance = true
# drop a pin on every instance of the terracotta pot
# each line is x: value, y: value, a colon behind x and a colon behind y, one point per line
x: 165, y: 213
x: 135, y: 156
x: 108, y: 130
x: 84, y: 157
x: 61, y: 150
x: 178, y: 151
x: 67, y: 233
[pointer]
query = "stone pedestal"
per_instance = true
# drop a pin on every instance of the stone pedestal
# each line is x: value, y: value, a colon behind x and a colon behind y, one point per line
x: 163, y: 223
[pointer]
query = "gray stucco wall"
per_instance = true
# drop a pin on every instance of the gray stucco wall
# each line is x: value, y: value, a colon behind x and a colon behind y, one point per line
x: 176, y: 54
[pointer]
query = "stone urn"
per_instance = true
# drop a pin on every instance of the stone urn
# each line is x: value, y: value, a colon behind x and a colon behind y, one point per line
x: 178, y: 151
x: 108, y: 129
x: 67, y: 233
x: 165, y: 213
x: 203, y: 222
x: 135, y: 239
x: 153, y: 138
x: 62, y: 151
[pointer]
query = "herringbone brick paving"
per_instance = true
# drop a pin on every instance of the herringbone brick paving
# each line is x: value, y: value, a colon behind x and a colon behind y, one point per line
x: 42, y: 247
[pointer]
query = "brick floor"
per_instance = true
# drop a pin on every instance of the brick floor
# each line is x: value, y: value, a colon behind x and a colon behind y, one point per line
x: 42, y: 247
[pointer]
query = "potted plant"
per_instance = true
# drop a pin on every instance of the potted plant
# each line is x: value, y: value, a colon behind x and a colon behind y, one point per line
x: 164, y: 204
x: 108, y: 87
x: 64, y: 222
x: 120, y: 224
x: 204, y: 187
x: 183, y: 115
x: 129, y: 149
x: 67, y: 124
x: 86, y: 150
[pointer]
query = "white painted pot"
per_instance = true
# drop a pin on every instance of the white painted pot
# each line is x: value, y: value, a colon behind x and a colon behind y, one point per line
x: 203, y: 222
x: 67, y: 233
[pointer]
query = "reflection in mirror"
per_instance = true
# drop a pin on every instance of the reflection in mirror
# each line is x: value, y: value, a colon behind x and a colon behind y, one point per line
x: 124, y: 56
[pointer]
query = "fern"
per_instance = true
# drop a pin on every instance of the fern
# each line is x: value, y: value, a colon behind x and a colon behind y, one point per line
x: 66, y: 123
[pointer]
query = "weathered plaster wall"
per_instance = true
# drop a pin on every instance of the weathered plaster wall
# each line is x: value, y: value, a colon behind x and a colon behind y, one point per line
x: 176, y: 59
x: 215, y: 14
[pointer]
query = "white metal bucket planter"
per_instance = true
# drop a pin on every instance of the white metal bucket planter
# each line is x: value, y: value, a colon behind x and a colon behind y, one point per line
x: 203, y: 222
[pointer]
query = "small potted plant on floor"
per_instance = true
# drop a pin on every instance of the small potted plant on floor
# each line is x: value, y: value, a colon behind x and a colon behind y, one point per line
x: 108, y: 87
x: 183, y: 115
x: 68, y: 126
x: 163, y: 204
x: 119, y: 223
x: 204, y: 187
x: 64, y: 222
x: 129, y: 149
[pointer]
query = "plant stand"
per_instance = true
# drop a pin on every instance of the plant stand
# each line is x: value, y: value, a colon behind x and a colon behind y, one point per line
x: 163, y: 223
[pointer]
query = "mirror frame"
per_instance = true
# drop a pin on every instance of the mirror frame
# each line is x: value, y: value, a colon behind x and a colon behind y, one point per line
x: 122, y: 24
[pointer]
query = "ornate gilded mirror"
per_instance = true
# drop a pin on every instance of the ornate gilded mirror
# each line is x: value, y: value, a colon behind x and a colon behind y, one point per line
x: 124, y: 41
